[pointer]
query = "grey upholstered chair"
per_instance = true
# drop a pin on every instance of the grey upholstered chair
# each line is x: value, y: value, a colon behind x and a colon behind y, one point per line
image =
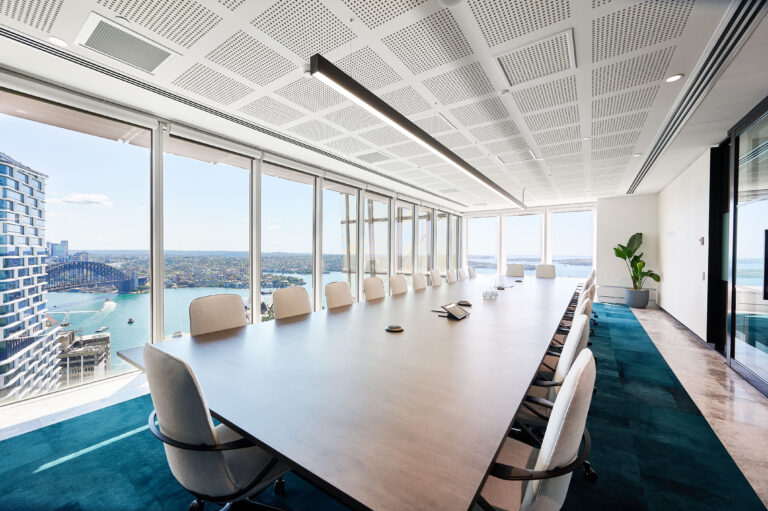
x: 373, y: 287
x: 553, y: 458
x: 472, y: 272
x: 437, y: 280
x: 338, y: 294
x: 216, y: 312
x: 290, y: 301
x: 545, y: 271
x: 398, y: 285
x: 515, y: 270
x: 450, y: 276
x: 419, y: 281
x: 214, y: 464
x: 463, y: 274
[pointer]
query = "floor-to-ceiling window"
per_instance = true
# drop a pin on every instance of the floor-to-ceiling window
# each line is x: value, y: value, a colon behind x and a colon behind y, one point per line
x: 404, y: 240
x: 339, y: 235
x: 74, y: 245
x: 424, y: 241
x: 206, y: 208
x: 483, y: 243
x: 523, y: 245
x: 287, y: 219
x: 573, y: 234
x: 441, y: 241
x: 453, y: 249
x: 376, y: 237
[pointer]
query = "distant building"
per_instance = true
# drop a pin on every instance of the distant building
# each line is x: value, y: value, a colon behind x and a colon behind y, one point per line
x: 59, y: 251
x: 84, y: 358
x: 28, y: 347
x: 80, y: 256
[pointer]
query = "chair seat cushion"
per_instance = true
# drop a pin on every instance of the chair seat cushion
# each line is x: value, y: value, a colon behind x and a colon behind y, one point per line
x: 508, y: 494
x: 245, y: 464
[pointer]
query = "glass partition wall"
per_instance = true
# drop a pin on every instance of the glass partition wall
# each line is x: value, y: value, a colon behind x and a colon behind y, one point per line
x: 339, y: 236
x: 376, y: 238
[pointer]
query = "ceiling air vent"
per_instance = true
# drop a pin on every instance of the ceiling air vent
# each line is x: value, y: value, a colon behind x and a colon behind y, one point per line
x: 373, y: 157
x: 115, y: 41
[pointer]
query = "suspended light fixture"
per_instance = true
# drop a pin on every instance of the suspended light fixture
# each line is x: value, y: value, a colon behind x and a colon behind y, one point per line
x: 331, y: 75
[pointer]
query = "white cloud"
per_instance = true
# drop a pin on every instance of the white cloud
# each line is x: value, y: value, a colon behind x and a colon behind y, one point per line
x: 85, y: 199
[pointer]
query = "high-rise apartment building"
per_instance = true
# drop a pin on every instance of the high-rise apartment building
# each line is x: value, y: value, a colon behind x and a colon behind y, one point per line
x: 28, y: 347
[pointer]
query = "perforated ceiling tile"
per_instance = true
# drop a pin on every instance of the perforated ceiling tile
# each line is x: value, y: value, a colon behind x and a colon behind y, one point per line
x: 459, y: 84
x: 310, y: 93
x: 374, y: 14
x: 407, y: 149
x: 495, y: 131
x: 406, y: 101
x: 211, y: 84
x: 616, y: 139
x: 315, y: 130
x: 566, y: 160
x: 546, y: 95
x: 395, y: 166
x: 482, y: 162
x: 469, y: 152
x: 182, y: 21
x: 353, y: 118
x: 453, y: 140
x: 517, y: 157
x: 620, y: 123
x: 611, y: 163
x: 548, y: 56
x: 267, y: 109
x: 348, y: 145
x: 305, y: 27
x: 625, y: 102
x: 552, y: 118
x: 614, y: 152
x: 501, y: 21
x: 508, y: 144
x: 487, y: 110
x: 231, y: 4
x: 638, y: 26
x: 558, y: 135
x: 384, y: 136
x: 38, y: 14
x: 631, y: 72
x: 558, y: 149
x: 434, y: 124
x: 244, y: 55
x: 430, y: 42
x: 427, y: 160
x: 373, y: 157
x: 368, y: 68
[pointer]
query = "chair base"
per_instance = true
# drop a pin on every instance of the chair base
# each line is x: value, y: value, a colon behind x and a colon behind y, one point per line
x: 249, y: 505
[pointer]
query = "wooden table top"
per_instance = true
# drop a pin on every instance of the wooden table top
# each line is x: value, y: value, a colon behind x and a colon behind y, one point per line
x: 385, y: 421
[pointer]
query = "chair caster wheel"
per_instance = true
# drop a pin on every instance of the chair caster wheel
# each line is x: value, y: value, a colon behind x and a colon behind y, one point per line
x: 197, y: 505
x: 589, y: 473
x: 280, y: 487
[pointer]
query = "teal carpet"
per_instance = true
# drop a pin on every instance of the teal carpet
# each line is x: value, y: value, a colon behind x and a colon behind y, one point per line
x: 651, y: 447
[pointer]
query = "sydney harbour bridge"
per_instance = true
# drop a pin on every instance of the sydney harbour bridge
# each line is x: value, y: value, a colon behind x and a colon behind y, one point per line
x: 77, y: 274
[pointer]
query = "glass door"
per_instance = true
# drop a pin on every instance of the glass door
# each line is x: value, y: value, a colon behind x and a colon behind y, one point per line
x: 750, y: 302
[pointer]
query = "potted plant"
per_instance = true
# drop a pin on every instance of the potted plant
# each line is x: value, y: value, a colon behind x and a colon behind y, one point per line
x: 637, y: 296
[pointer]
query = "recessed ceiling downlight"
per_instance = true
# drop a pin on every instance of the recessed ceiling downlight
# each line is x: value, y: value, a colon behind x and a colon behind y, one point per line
x: 673, y: 78
x: 636, y: 155
x: 61, y: 43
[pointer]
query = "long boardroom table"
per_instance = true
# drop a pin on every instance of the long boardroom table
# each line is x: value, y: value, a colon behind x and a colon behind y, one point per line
x: 384, y: 421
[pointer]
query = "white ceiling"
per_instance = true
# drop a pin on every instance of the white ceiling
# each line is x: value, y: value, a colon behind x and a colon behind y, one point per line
x: 493, y: 80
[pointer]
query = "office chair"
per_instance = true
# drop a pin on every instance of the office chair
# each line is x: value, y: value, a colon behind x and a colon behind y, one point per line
x: 215, y: 464
x: 553, y: 457
x: 451, y: 277
x: 472, y: 272
x: 515, y: 270
x: 373, y: 287
x: 437, y: 280
x: 398, y: 285
x: 216, y: 312
x: 545, y: 271
x: 419, y: 281
x: 463, y: 274
x: 290, y: 301
x: 338, y: 294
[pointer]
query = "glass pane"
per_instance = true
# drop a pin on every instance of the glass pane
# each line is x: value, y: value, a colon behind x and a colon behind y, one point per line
x: 287, y: 213
x: 206, y: 227
x: 573, y: 242
x: 523, y: 238
x: 483, y: 244
x: 79, y: 214
x: 424, y: 241
x: 441, y: 241
x: 454, y: 247
x: 751, y: 288
x: 376, y: 239
x: 339, y: 236
x: 404, y: 241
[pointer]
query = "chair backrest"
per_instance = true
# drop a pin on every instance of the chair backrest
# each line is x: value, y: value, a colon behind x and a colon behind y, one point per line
x: 545, y: 271
x: 373, y: 287
x: 570, y: 347
x: 562, y: 437
x: 419, y: 281
x: 338, y: 294
x: 437, y: 280
x: 463, y: 274
x: 591, y: 292
x: 515, y: 270
x: 216, y: 312
x: 450, y: 276
x: 472, y: 272
x: 584, y: 340
x: 398, y: 285
x: 290, y: 301
x: 183, y: 415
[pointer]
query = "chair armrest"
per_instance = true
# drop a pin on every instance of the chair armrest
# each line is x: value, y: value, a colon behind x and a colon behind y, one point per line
x: 237, y: 444
x: 546, y: 383
x: 539, y: 401
x: 511, y: 473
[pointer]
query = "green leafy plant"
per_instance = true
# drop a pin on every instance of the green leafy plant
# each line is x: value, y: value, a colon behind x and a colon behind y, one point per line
x: 634, y: 261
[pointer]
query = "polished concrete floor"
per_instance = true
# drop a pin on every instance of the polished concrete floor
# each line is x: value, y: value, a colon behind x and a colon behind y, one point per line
x: 736, y: 411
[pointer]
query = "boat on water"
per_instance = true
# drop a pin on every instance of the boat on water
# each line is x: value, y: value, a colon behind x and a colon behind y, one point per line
x: 102, y: 329
x: 66, y: 320
x: 177, y: 333
x: 107, y: 300
x: 130, y: 321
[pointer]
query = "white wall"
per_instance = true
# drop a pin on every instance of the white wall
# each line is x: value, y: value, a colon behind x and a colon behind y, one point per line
x: 683, y: 219
x: 618, y: 218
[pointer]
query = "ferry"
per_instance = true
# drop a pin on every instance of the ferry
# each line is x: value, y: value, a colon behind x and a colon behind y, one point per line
x: 66, y: 320
x: 102, y: 329
x: 130, y: 321
x: 177, y: 333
